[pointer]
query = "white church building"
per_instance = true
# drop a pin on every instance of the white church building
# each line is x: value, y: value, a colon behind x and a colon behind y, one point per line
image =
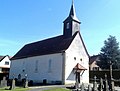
x: 55, y: 59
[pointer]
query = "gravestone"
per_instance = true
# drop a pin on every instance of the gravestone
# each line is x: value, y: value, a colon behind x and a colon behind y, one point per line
x: 89, y: 88
x: 12, y: 84
x: 101, y: 85
x: 77, y: 86
x: 95, y: 84
x: 25, y: 84
x: 82, y: 87
x: 106, y: 88
x: 3, y: 82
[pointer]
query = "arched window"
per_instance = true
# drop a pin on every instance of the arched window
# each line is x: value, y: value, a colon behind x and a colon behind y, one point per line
x: 68, y: 25
x: 49, y: 65
x: 19, y: 76
x: 36, y: 66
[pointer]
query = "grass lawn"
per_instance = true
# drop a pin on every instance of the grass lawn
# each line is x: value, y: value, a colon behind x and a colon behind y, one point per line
x: 16, y: 89
x: 58, y: 89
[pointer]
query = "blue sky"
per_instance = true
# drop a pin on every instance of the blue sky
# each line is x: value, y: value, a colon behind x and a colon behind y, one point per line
x: 26, y: 21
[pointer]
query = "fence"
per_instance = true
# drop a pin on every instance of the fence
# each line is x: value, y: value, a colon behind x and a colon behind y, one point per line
x: 101, y: 74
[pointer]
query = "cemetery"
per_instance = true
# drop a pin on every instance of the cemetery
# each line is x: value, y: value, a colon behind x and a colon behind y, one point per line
x: 98, y: 83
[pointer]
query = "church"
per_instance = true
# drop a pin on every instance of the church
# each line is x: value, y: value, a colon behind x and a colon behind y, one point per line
x: 56, y: 59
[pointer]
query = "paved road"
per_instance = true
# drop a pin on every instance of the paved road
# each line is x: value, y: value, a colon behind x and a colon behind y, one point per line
x: 41, y: 88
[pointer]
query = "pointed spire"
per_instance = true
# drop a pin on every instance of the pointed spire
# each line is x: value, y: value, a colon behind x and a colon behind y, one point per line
x: 72, y: 10
x: 72, y: 14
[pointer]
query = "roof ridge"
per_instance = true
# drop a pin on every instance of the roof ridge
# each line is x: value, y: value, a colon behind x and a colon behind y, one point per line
x: 44, y: 39
x: 2, y: 58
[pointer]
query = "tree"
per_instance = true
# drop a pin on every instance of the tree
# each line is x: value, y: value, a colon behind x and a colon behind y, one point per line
x: 110, y: 52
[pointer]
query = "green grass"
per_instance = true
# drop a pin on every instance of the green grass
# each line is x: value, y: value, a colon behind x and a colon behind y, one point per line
x: 58, y: 89
x: 16, y: 89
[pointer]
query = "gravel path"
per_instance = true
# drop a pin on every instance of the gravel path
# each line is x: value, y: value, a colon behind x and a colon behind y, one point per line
x: 41, y: 88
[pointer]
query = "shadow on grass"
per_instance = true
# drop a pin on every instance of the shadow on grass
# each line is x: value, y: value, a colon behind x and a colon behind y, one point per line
x: 71, y: 87
x: 15, y: 89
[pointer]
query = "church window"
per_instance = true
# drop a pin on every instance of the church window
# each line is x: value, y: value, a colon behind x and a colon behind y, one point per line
x: 36, y: 66
x: 23, y: 70
x: 49, y: 65
x: 23, y: 63
x: 23, y: 66
x: 81, y: 59
x: 74, y: 58
x: 68, y: 25
x: 19, y: 76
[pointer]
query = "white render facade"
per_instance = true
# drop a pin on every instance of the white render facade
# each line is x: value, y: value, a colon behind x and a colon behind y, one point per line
x: 53, y: 67
x: 38, y: 68
x: 76, y: 53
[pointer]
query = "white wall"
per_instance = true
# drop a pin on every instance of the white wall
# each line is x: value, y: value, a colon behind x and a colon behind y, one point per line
x: 2, y: 63
x: 74, y: 54
x: 53, y: 73
x: 76, y: 50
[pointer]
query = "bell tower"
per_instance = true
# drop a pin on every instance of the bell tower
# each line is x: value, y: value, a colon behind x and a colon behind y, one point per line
x: 71, y: 23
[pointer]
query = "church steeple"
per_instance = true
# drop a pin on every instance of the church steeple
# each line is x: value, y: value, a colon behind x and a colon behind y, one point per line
x: 72, y: 13
x: 71, y: 23
x: 72, y: 10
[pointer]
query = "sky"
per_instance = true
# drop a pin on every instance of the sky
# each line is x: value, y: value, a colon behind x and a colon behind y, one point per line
x: 27, y: 21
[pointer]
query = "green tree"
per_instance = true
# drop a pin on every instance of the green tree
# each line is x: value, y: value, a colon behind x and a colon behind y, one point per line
x: 110, y: 52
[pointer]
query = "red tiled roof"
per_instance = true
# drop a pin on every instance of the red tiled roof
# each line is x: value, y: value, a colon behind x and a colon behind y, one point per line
x: 93, y: 58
